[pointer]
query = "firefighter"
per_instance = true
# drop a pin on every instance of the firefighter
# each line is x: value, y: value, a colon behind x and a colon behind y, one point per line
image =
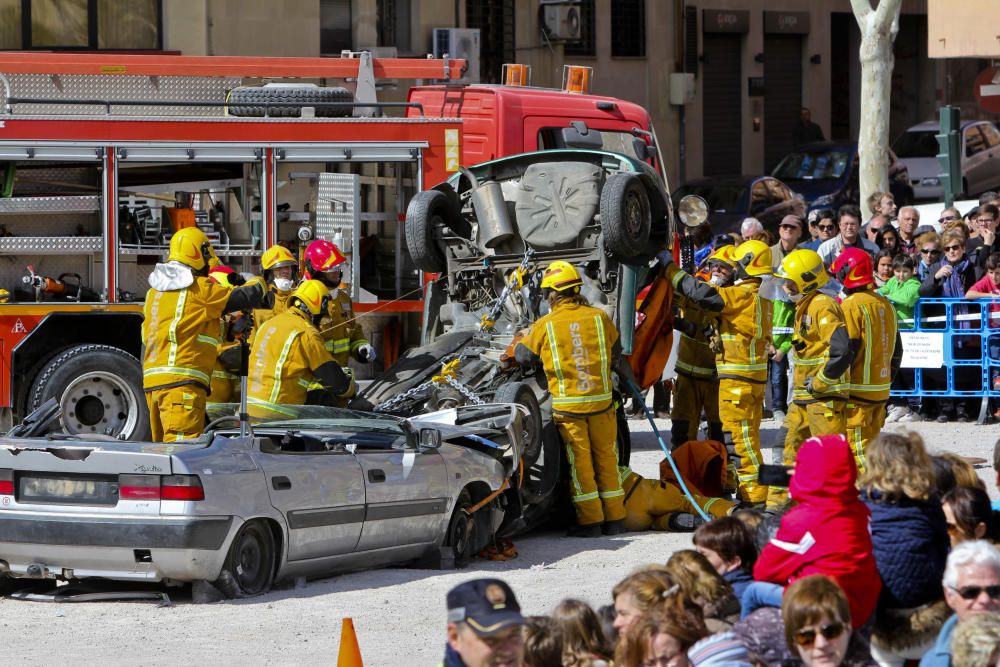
x: 871, y: 328
x: 741, y: 363
x: 180, y: 334
x: 289, y: 365
x: 658, y: 505
x: 279, y: 267
x: 225, y: 383
x: 696, y: 388
x: 341, y: 331
x: 578, y: 345
x: 822, y: 359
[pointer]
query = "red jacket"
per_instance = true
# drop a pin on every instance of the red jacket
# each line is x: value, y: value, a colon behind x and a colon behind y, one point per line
x: 827, y: 532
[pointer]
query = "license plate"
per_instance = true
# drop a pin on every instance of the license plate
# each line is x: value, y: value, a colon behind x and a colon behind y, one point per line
x: 66, y: 489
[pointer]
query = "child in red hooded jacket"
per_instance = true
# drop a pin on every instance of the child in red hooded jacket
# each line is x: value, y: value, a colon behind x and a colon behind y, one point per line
x: 827, y: 530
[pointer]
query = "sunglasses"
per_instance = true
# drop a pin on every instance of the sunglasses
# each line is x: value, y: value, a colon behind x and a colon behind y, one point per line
x: 825, y: 228
x: 947, y: 218
x: 929, y: 251
x: 952, y: 247
x: 973, y: 592
x: 788, y: 226
x: 807, y: 636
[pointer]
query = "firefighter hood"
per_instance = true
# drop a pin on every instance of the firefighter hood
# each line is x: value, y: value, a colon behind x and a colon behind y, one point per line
x: 170, y: 276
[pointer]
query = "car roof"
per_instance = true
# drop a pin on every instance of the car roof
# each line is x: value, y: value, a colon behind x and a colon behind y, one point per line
x: 933, y: 125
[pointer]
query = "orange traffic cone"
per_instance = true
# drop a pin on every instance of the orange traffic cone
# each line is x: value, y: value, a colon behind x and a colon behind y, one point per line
x: 350, y: 652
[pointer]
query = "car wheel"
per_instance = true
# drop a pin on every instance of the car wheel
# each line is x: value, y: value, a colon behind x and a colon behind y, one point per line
x: 99, y: 389
x: 531, y: 436
x: 250, y: 101
x: 427, y: 211
x: 249, y: 566
x: 462, y: 533
x: 625, y: 216
x: 624, y: 439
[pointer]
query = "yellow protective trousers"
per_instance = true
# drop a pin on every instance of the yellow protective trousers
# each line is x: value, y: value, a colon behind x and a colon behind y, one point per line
x: 741, y: 405
x: 592, y: 450
x: 651, y: 503
x: 864, y: 421
x: 804, y: 422
x: 690, y: 397
x: 176, y: 413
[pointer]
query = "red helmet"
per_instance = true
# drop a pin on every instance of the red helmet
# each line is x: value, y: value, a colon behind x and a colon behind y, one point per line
x: 322, y: 256
x: 853, y: 268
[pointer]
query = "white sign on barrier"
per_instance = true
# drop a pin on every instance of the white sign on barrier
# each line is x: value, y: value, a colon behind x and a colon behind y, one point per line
x: 922, y: 349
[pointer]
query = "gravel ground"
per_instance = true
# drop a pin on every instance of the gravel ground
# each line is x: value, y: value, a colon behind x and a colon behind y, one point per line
x: 398, y: 613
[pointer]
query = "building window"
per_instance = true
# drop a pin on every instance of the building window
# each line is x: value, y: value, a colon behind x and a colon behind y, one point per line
x: 135, y: 25
x: 628, y: 28
x: 495, y: 21
x: 587, y: 44
x: 335, y: 33
x: 393, y: 24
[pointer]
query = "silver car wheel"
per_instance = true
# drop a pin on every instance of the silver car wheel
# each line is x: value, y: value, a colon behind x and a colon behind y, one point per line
x: 99, y: 402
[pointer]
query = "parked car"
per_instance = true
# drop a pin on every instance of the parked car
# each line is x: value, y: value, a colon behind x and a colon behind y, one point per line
x: 732, y: 198
x: 331, y: 490
x: 825, y: 173
x: 980, y: 158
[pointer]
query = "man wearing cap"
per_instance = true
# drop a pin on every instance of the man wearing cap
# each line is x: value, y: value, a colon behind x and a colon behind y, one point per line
x: 484, y: 625
x: 789, y: 234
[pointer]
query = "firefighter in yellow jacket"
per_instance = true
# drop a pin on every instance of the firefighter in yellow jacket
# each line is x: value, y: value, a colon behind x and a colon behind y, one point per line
x: 278, y: 266
x: 180, y: 334
x: 871, y: 328
x: 822, y: 359
x: 696, y: 388
x: 342, y: 334
x: 578, y: 346
x: 654, y: 504
x: 288, y: 361
x: 745, y: 331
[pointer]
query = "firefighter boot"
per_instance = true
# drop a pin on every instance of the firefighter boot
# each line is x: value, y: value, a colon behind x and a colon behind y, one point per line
x: 679, y: 429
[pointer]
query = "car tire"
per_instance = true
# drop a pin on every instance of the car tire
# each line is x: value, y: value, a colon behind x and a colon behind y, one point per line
x: 427, y: 211
x: 99, y: 388
x: 249, y: 567
x: 462, y: 532
x: 522, y: 394
x: 626, y: 219
x: 249, y: 101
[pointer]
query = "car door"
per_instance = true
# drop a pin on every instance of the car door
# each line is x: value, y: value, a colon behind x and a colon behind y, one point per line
x: 406, y: 492
x: 320, y: 493
x: 974, y: 159
x: 991, y: 169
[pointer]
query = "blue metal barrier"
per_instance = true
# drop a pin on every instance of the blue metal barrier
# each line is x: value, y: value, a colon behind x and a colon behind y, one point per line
x: 970, y: 330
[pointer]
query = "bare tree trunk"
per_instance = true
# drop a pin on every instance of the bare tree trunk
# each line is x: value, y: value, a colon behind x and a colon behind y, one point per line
x: 878, y: 32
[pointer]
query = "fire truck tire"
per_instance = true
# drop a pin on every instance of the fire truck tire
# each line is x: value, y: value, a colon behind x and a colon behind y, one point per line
x: 625, y: 216
x: 99, y: 389
x: 428, y: 210
x: 251, y: 101
x: 531, y: 435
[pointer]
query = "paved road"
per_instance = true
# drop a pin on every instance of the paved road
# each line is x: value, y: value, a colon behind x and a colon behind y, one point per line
x: 398, y: 613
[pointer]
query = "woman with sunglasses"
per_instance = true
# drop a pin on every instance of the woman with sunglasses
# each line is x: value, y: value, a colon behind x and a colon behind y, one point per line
x: 826, y: 228
x: 818, y: 625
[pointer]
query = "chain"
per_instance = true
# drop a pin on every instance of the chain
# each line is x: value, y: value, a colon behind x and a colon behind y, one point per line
x: 516, y: 281
x: 447, y: 376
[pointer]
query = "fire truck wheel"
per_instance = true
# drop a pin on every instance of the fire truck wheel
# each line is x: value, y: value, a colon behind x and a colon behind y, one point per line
x: 625, y: 216
x: 252, y: 100
x: 99, y: 389
x: 531, y: 435
x: 428, y: 210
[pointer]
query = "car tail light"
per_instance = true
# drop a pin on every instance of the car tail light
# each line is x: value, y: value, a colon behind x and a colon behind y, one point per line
x: 156, y: 487
x: 6, y: 482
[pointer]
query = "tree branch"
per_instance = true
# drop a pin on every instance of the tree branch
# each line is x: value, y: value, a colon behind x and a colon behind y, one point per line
x: 862, y: 8
x: 887, y: 10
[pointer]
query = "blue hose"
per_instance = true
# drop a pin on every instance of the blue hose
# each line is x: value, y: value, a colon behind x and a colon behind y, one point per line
x: 666, y: 450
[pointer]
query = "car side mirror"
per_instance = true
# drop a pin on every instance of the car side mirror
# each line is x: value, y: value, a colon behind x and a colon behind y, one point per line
x: 642, y: 150
x: 430, y: 438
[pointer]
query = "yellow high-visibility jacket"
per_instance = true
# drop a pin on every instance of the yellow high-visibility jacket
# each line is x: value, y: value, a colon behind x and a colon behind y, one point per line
x: 181, y: 334
x: 286, y: 357
x: 342, y: 334
x: 822, y: 350
x: 576, y: 345
x: 694, y: 357
x: 871, y: 326
x: 278, y: 302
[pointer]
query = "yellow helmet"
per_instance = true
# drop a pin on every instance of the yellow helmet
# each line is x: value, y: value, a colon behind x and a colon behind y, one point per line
x: 561, y: 276
x: 191, y: 247
x: 753, y: 257
x: 276, y: 257
x: 804, y: 268
x: 723, y: 254
x: 311, y: 296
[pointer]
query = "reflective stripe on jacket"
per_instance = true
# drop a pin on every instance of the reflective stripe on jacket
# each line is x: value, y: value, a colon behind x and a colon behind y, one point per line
x: 817, y: 318
x: 341, y: 333
x: 745, y: 330
x: 180, y: 333
x: 575, y: 344
x: 694, y: 357
x: 871, y: 326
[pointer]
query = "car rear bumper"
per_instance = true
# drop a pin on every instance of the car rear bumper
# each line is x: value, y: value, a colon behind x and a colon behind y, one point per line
x: 183, y: 549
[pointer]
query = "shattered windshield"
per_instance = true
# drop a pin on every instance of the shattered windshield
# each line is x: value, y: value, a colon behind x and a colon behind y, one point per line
x: 314, y: 417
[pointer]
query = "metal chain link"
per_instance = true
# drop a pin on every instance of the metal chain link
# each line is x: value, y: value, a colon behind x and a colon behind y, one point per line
x: 514, y: 282
x: 465, y: 391
x: 446, y: 376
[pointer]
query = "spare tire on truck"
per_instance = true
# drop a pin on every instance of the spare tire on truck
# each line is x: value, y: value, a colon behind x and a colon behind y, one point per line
x: 99, y: 389
x: 251, y: 101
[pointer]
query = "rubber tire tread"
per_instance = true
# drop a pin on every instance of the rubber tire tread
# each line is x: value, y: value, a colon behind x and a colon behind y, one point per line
x: 426, y: 210
x: 464, y: 501
x: 227, y: 582
x: 614, y: 198
x: 68, y: 365
x: 521, y: 394
x: 249, y: 101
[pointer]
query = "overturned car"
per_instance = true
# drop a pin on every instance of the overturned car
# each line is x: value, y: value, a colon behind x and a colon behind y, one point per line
x: 488, y: 232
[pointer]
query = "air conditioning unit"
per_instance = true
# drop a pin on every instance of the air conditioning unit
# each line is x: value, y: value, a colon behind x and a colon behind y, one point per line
x: 459, y: 43
x: 562, y: 22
